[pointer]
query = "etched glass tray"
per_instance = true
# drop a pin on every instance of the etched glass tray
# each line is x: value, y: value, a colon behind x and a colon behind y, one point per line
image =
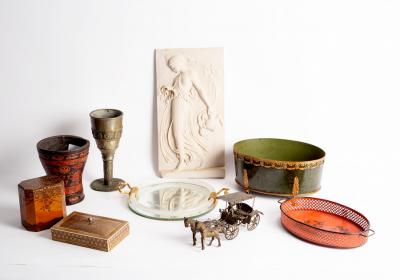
x: 172, y: 200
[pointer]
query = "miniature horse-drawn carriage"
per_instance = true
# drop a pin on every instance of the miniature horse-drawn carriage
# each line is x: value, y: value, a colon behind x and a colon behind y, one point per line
x: 236, y: 213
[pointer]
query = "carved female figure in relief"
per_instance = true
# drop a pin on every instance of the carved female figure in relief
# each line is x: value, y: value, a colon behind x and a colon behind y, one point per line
x: 188, y: 115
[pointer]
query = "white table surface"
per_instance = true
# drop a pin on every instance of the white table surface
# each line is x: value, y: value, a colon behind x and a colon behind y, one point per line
x: 316, y: 71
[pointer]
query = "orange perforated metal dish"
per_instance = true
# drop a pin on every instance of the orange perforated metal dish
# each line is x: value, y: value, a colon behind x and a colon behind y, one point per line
x: 325, y: 222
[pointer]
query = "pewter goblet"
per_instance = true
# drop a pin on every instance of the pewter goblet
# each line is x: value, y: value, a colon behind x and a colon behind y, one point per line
x: 106, y: 130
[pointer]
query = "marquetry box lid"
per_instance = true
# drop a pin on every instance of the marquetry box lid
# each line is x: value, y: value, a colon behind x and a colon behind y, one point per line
x: 90, y: 231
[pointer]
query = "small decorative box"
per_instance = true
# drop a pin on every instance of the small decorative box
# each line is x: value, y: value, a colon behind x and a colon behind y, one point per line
x: 42, y: 202
x: 90, y: 231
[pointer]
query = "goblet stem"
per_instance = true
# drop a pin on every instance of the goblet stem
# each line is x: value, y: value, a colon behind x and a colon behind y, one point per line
x: 108, y: 171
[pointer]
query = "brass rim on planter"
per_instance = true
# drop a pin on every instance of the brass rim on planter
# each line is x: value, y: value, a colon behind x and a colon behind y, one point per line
x: 279, y: 164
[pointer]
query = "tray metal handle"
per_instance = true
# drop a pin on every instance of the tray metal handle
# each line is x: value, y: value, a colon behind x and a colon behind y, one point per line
x: 282, y: 200
x: 214, y: 195
x: 125, y: 188
x: 368, y: 235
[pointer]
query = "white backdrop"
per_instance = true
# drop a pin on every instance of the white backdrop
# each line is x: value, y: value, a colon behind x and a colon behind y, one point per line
x: 324, y: 72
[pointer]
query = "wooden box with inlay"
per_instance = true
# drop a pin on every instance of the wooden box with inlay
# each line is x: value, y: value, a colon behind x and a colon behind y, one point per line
x: 90, y: 231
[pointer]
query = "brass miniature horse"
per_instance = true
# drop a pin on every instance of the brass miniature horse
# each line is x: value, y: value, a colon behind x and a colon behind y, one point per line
x: 192, y: 223
x: 202, y: 227
x: 207, y: 232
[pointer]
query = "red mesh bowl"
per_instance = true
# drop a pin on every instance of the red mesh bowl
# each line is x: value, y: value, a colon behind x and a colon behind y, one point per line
x: 325, y: 222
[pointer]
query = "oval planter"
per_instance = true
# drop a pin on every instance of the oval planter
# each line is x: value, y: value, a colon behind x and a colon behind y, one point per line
x: 278, y: 167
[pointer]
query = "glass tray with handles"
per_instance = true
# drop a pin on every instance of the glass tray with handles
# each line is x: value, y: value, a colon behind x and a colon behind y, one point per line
x: 171, y: 199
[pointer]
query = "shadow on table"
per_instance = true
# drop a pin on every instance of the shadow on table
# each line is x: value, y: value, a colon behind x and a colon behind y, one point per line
x: 10, y: 216
x: 44, y: 234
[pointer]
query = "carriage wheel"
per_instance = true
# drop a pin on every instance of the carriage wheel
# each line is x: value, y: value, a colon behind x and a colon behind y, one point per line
x: 253, y: 223
x: 231, y: 232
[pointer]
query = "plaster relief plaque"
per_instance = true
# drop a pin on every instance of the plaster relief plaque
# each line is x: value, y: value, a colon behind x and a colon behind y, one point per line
x: 190, y: 113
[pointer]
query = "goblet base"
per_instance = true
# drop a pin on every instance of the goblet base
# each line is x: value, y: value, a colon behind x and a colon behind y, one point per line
x: 98, y: 185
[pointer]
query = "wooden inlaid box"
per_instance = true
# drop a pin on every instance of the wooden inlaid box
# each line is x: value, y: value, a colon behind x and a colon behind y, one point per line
x: 42, y: 202
x: 96, y: 232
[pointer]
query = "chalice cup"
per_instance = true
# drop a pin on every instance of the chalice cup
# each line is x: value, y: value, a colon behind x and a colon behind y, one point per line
x: 106, y: 130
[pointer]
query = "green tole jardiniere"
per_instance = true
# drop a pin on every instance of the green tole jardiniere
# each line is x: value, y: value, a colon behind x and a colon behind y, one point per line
x: 278, y: 167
